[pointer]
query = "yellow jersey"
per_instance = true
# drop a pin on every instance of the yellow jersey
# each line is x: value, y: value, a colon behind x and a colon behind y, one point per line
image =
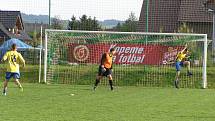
x: 180, y: 56
x: 13, y: 59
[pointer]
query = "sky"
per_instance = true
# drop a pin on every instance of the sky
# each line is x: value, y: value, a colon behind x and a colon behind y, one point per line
x: 101, y: 9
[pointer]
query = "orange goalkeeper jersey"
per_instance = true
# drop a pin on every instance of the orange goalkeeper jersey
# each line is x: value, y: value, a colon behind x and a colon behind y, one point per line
x: 107, y: 60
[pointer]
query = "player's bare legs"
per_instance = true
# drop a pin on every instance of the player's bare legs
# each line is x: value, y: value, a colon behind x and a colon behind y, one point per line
x: 5, y: 87
x: 187, y: 64
x: 177, y: 79
x: 18, y: 84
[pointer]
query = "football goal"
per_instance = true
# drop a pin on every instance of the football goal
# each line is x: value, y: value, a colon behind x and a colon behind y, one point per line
x: 142, y: 59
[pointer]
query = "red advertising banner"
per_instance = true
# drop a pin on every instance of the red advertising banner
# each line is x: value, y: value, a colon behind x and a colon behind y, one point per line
x: 126, y: 53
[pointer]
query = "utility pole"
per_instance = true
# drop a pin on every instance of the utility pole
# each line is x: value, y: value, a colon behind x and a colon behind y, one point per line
x: 210, y: 5
x: 213, y: 41
x: 147, y: 19
x: 49, y: 13
x: 147, y: 15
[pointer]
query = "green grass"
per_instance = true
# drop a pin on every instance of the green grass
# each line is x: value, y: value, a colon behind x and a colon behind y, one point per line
x: 128, y: 75
x: 146, y: 76
x: 55, y: 103
x: 29, y: 74
x: 141, y: 75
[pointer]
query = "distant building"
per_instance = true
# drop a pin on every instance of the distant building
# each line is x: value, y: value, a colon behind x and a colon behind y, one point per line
x: 31, y: 27
x: 210, y: 4
x: 12, y: 26
x: 168, y: 16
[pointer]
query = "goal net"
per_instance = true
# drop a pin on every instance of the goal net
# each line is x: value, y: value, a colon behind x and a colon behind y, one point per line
x: 142, y: 59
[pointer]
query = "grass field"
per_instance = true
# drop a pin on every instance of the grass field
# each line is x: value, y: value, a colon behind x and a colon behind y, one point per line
x: 55, y: 103
x: 141, y: 75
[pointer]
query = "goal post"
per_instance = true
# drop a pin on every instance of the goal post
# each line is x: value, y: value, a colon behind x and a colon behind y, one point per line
x: 204, y: 71
x: 144, y: 59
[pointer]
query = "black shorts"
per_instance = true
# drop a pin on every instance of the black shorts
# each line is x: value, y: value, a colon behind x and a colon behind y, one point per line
x: 103, y: 72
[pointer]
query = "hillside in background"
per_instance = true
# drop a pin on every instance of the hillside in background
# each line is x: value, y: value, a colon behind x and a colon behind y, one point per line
x: 35, y: 18
x: 110, y: 23
x: 44, y: 19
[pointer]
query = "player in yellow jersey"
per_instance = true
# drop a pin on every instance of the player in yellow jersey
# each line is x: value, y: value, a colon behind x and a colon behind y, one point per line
x: 181, y: 60
x: 105, y: 68
x: 13, y: 59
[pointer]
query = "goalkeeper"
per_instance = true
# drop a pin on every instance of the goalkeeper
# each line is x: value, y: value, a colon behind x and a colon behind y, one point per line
x: 12, y: 58
x: 182, y: 60
x: 105, y: 68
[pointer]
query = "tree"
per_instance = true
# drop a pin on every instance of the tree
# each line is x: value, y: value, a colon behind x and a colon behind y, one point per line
x: 95, y: 25
x: 36, y: 38
x: 117, y: 27
x: 130, y: 24
x: 56, y: 23
x: 73, y: 24
x: 84, y: 23
x: 184, y: 28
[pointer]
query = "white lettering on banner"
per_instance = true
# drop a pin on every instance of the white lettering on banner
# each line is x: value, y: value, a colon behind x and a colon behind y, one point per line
x: 112, y: 46
x: 127, y: 50
x: 170, y: 55
x: 131, y: 58
x: 141, y: 50
x: 128, y: 54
